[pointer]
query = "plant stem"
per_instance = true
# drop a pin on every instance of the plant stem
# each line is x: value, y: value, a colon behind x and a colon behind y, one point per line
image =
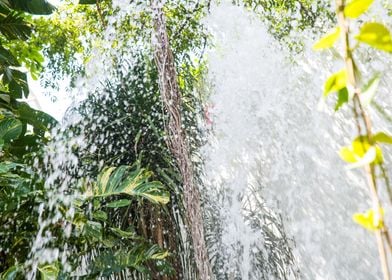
x: 361, y: 115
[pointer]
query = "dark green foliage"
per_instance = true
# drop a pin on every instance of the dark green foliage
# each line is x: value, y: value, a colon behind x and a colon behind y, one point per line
x: 36, y: 7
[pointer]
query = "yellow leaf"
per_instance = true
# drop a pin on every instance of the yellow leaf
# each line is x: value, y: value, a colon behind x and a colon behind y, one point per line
x: 370, y: 220
x: 328, y: 40
x: 368, y: 158
x: 376, y: 35
x: 357, y: 7
x: 335, y: 82
x: 382, y: 137
x: 347, y: 155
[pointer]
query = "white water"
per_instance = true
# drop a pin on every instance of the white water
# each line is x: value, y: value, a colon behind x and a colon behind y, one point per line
x: 271, y: 143
x: 268, y: 128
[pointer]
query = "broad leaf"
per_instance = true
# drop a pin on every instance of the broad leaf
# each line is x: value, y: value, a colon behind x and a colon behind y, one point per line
x: 343, y: 97
x: 49, y: 271
x: 6, y: 166
x: 382, y: 137
x: 361, y: 153
x: 357, y: 7
x: 35, y: 7
x: 133, y: 182
x: 7, y: 58
x: 40, y: 121
x: 328, y: 40
x: 16, y: 81
x: 93, y: 230
x: 335, y: 82
x: 376, y: 35
x: 11, y: 273
x: 368, y: 158
x: 10, y: 129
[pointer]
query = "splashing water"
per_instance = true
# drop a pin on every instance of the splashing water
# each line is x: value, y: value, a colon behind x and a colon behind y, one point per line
x: 268, y: 130
x: 279, y: 201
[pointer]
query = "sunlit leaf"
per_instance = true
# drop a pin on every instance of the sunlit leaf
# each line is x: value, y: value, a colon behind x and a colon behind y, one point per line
x: 376, y: 35
x: 49, y: 272
x: 160, y: 255
x: 368, y: 158
x: 347, y: 154
x: 328, y: 40
x: 382, y: 137
x: 369, y: 91
x: 133, y: 182
x: 370, y: 220
x: 335, y: 82
x: 343, y: 97
x: 122, y: 233
x: 357, y: 7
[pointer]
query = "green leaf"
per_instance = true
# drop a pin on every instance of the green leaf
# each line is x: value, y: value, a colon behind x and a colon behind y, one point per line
x: 49, y: 271
x: 40, y: 121
x: 133, y: 182
x: 11, y: 273
x: 335, y: 82
x: 376, y: 35
x: 122, y: 233
x: 87, y: 2
x: 93, y: 229
x: 343, y: 98
x: 13, y: 25
x: 7, y: 58
x: 382, y: 137
x: 369, y: 91
x: 357, y: 7
x: 16, y: 81
x: 328, y: 40
x: 10, y: 129
x: 100, y: 215
x: 160, y: 256
x: 6, y: 166
x: 119, y: 203
x: 35, y: 7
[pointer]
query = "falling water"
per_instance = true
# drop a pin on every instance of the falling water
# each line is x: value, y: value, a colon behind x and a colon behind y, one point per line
x: 279, y: 201
x: 270, y: 129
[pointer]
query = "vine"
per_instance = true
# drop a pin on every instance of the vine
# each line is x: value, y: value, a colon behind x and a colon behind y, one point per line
x: 365, y: 150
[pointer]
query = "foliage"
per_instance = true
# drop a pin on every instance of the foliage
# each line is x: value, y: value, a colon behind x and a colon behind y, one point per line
x: 365, y: 150
x: 23, y: 135
x: 288, y: 18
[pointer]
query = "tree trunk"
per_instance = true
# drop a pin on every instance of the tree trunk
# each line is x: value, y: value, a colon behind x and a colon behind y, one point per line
x: 176, y: 139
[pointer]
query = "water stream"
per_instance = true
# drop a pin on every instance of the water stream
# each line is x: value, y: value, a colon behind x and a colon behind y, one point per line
x: 279, y: 201
x: 272, y: 136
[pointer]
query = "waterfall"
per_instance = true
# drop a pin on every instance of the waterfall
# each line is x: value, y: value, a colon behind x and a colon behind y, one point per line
x: 274, y: 141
